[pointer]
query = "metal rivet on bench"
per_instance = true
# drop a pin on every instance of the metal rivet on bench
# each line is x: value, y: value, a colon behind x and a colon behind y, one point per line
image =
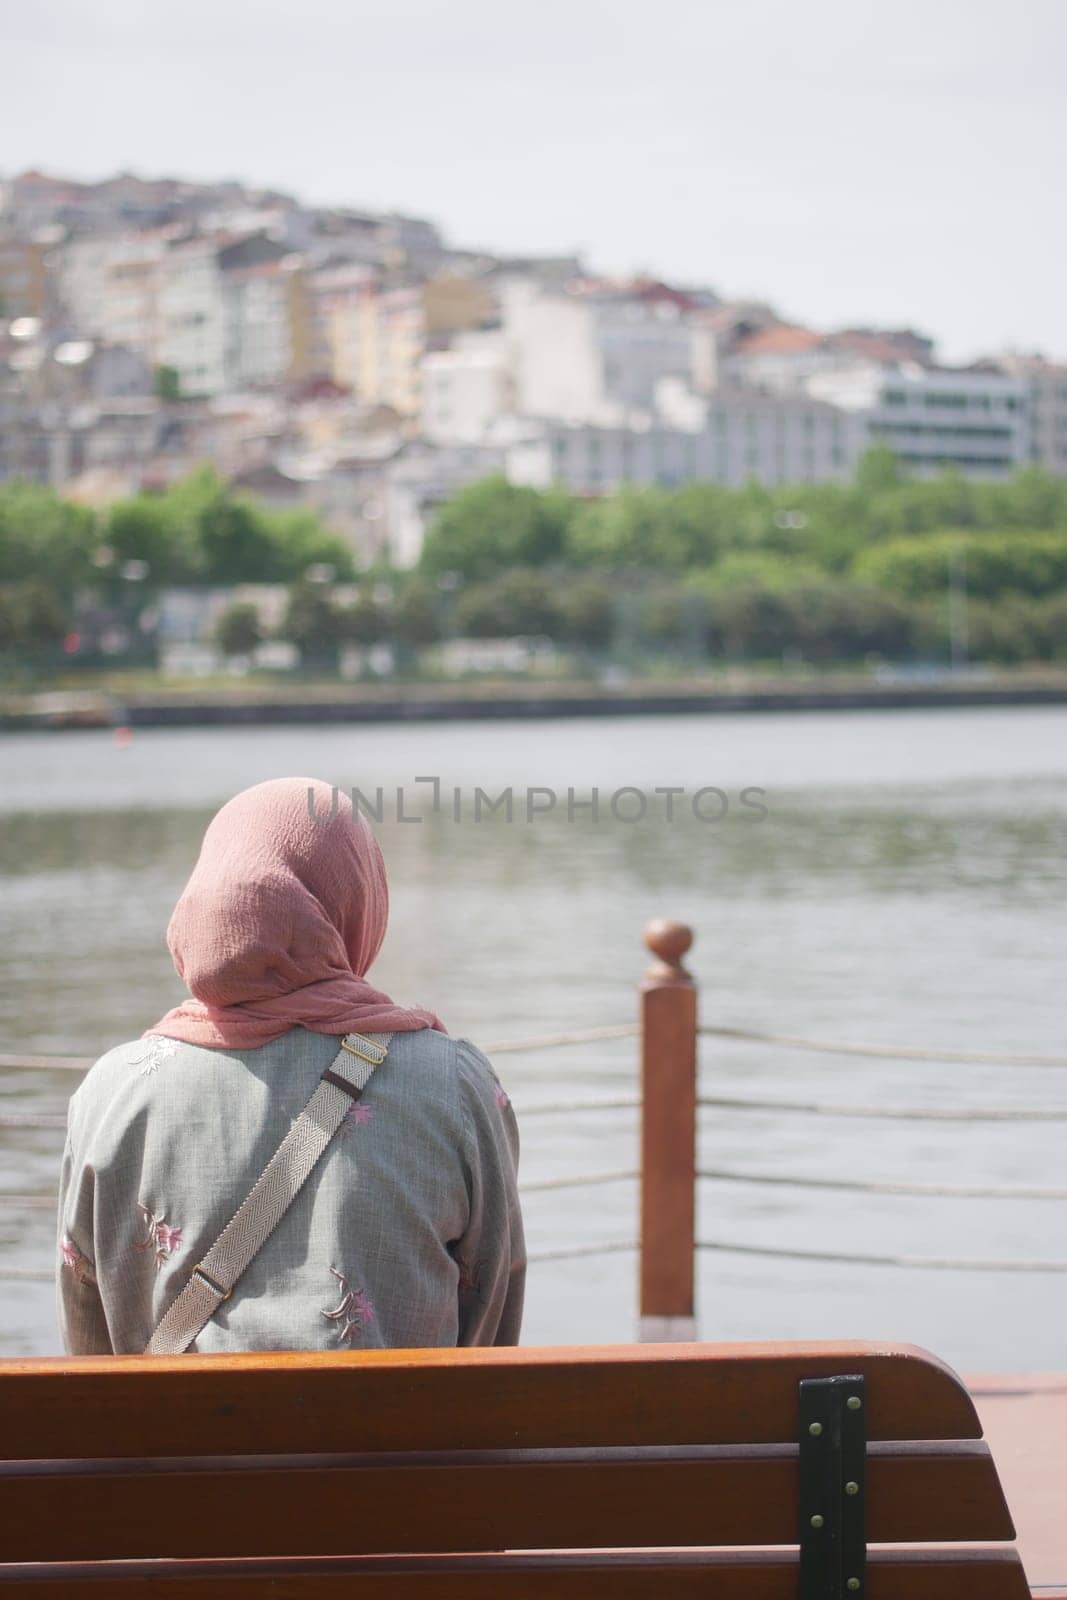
x: 816, y: 1521
x: 815, y: 1428
x: 853, y: 1583
x: 853, y: 1402
x: 852, y: 1488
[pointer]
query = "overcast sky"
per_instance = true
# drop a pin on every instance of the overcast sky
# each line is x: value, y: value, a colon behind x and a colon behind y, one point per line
x: 899, y: 162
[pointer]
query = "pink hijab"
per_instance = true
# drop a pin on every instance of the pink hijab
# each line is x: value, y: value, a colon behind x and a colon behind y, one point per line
x: 281, y: 919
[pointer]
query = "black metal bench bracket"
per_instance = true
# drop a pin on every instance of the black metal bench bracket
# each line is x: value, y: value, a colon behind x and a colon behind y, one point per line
x: 833, y: 1452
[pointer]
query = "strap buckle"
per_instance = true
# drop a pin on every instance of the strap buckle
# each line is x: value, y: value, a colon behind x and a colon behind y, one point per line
x: 372, y: 1051
x: 216, y: 1288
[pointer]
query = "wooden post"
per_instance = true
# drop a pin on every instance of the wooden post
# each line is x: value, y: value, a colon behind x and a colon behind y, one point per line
x: 668, y: 1137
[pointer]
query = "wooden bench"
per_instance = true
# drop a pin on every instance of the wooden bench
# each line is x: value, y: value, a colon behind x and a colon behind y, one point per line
x: 598, y: 1473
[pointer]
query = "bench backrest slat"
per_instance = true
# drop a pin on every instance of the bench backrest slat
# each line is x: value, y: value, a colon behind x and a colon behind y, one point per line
x: 282, y: 1402
x: 713, y: 1497
x: 891, y: 1575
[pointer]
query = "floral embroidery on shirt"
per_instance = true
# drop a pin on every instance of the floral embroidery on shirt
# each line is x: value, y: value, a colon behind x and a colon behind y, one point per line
x: 357, y: 1116
x: 75, y: 1261
x: 353, y: 1311
x: 156, y: 1050
x: 158, y: 1235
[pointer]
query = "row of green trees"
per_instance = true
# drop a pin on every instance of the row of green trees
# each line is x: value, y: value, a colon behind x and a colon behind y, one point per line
x: 197, y: 532
x: 57, y: 559
x: 406, y: 615
x: 829, y: 527
x: 828, y: 572
x: 822, y: 621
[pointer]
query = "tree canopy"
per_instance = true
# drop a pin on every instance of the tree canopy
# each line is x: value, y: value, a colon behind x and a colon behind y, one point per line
x: 819, y: 572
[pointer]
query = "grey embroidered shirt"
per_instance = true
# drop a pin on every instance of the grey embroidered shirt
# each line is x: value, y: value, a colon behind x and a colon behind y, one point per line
x: 407, y: 1233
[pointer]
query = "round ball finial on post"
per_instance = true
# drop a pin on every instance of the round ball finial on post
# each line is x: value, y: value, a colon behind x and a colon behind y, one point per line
x: 668, y: 941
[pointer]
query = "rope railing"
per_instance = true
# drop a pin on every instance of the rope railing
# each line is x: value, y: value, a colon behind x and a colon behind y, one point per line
x: 550, y: 1041
x: 926, y: 1191
x: 883, y: 1052
x: 31, y: 1119
x: 625, y: 1102
x: 547, y: 1185
x: 892, y: 1113
x: 29, y: 1063
x: 576, y: 1252
x: 935, y: 1263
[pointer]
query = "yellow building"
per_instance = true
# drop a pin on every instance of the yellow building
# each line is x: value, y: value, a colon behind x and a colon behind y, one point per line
x: 377, y: 333
x: 455, y: 304
x: 23, y: 279
x: 389, y: 335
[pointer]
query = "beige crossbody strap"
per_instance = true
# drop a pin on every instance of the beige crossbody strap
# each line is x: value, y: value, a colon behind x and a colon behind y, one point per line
x: 278, y: 1185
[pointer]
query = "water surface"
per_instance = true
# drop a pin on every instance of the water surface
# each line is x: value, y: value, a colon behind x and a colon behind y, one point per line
x: 906, y: 887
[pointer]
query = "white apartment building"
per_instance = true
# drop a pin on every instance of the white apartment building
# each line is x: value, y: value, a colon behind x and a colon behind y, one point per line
x: 110, y: 287
x: 222, y: 314
x: 234, y: 315
x: 84, y: 267
x: 778, y: 439
x: 465, y: 389
x: 972, y: 419
x: 641, y: 342
x: 267, y: 323
x: 132, y: 304
x: 581, y: 355
x: 1046, y: 404
x: 741, y: 436
x: 192, y: 317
